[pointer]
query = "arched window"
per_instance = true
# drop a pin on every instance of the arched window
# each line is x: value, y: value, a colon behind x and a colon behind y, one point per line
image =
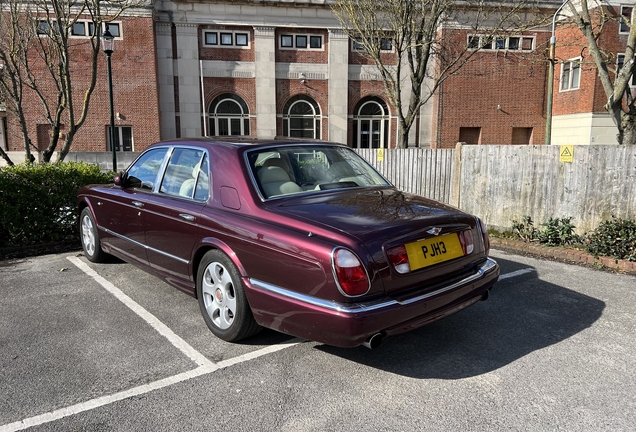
x: 229, y: 115
x: 371, y: 123
x: 301, y: 118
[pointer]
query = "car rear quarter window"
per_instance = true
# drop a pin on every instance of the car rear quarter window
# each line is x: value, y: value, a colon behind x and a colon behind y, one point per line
x: 182, y: 172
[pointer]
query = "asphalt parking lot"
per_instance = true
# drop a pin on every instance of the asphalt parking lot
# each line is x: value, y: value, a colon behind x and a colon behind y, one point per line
x: 96, y: 347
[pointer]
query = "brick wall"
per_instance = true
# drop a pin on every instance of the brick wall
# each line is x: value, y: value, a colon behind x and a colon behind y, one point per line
x: 496, y: 91
x: 320, y: 56
x: 207, y: 52
x: 135, y: 92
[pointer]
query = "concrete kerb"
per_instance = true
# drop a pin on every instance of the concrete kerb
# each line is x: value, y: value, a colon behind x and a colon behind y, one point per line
x: 566, y: 255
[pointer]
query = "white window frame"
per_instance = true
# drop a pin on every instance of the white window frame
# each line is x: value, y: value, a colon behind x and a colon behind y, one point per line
x: 86, y: 24
x: 620, y: 63
x: 487, y: 42
x: 119, y: 129
x: 355, y: 46
x: 219, y: 43
x: 295, y: 47
x: 621, y: 23
x: 570, y: 85
x: 215, y: 117
x: 360, y: 118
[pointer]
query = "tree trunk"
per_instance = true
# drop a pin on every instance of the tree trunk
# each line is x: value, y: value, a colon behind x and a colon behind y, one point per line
x: 628, y: 129
x: 6, y: 158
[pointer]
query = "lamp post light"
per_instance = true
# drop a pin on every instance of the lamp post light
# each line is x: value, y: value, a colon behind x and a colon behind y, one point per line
x: 108, y: 45
x: 552, y: 59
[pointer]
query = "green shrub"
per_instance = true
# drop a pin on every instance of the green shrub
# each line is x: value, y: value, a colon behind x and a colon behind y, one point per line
x: 38, y: 201
x: 557, y: 232
x: 525, y: 229
x: 614, y: 238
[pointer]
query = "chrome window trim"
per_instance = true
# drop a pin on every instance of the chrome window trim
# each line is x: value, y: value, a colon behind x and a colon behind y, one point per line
x: 363, y: 307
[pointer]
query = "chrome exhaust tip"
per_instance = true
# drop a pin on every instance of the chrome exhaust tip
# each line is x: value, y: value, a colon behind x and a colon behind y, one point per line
x: 373, y: 341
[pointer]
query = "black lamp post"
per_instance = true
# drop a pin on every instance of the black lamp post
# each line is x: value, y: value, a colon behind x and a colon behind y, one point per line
x: 108, y: 45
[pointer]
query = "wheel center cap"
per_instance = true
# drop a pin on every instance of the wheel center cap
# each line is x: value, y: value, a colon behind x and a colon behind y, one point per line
x: 219, y: 295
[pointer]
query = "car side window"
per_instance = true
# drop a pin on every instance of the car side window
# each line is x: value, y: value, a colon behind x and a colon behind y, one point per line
x: 202, y: 191
x: 143, y: 173
x: 182, y: 172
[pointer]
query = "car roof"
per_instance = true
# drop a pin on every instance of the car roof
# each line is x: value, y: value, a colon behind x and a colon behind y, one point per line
x: 244, y: 142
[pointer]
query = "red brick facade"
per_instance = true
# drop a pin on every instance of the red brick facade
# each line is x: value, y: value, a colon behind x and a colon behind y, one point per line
x: 135, y: 93
x: 498, y: 94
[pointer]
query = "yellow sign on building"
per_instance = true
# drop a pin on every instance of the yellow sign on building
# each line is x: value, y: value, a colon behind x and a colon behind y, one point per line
x: 567, y: 153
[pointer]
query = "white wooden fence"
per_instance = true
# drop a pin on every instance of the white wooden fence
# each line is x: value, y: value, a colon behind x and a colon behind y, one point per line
x: 500, y: 183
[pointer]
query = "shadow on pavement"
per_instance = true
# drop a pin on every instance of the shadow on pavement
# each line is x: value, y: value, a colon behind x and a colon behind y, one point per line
x: 522, y: 315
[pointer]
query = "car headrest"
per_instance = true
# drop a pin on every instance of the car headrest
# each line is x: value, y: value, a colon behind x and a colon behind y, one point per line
x: 271, y: 174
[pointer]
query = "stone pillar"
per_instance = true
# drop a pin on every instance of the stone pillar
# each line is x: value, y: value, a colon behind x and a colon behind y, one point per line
x: 165, y: 78
x: 187, y: 69
x: 338, y: 79
x: 265, y: 74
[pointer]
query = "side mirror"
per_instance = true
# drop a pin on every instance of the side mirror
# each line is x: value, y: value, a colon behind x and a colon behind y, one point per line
x: 120, y: 179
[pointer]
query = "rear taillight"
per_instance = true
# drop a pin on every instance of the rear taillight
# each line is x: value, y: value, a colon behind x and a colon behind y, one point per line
x: 350, y: 274
x: 484, y: 235
x: 399, y: 259
x: 467, y: 242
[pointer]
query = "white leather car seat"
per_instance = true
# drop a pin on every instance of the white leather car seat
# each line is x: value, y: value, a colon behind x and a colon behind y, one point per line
x: 275, y: 181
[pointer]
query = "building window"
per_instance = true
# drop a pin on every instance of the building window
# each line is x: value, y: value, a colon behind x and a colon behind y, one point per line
x: 301, y: 41
x: 211, y: 39
x: 521, y: 135
x: 229, y: 115
x: 357, y: 44
x: 626, y: 19
x: 620, y: 62
x: 371, y: 123
x: 123, y: 138
x: 470, y: 135
x: 301, y: 118
x: 87, y: 29
x: 315, y: 42
x: 571, y: 74
x: 79, y: 29
x: 495, y: 43
x: 226, y: 39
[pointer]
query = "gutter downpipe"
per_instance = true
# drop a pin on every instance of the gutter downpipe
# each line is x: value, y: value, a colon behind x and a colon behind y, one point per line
x: 551, y: 57
x: 203, y: 108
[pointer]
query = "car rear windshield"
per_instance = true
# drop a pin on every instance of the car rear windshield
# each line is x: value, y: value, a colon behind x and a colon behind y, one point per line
x: 286, y: 170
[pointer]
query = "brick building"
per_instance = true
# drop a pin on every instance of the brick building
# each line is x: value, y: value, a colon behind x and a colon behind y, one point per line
x: 135, y: 90
x: 285, y: 68
x: 579, y: 116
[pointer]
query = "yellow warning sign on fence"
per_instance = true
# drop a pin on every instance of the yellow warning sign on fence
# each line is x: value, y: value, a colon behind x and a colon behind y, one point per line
x: 380, y: 155
x: 567, y: 153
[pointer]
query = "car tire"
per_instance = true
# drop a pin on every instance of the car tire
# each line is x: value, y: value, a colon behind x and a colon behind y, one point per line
x: 222, y: 299
x: 90, y: 238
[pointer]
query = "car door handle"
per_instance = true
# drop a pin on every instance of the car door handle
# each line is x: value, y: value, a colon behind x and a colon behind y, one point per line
x: 186, y: 217
x: 137, y: 204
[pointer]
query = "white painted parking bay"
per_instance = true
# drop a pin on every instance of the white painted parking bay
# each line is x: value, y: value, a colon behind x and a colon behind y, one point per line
x: 201, y: 364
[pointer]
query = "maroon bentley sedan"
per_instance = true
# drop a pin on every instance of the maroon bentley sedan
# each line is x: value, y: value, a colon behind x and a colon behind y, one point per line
x: 305, y: 238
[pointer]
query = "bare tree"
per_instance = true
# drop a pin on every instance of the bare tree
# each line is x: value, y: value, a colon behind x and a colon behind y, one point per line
x: 419, y: 31
x: 591, y: 19
x: 39, y: 61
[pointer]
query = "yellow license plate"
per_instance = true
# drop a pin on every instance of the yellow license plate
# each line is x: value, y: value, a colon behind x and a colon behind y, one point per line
x: 431, y: 251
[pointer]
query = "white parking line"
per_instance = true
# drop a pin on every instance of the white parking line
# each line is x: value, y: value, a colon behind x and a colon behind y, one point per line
x: 205, y: 366
x: 163, y: 330
x: 516, y: 273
